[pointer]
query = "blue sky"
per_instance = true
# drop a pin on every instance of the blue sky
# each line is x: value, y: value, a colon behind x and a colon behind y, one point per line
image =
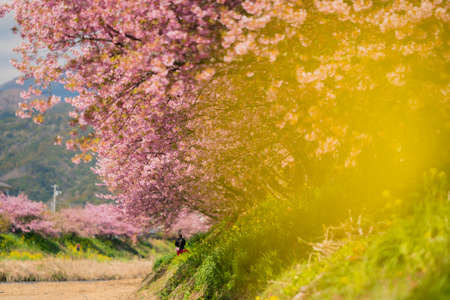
x: 8, y: 41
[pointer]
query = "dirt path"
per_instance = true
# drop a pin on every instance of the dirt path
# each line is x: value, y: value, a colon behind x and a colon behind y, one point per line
x: 71, y: 290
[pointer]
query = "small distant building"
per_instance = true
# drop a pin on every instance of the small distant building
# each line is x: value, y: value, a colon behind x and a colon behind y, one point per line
x: 4, y: 187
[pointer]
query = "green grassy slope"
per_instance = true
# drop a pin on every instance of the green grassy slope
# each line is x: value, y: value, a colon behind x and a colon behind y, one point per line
x: 400, y: 252
x: 34, y: 246
x: 410, y: 259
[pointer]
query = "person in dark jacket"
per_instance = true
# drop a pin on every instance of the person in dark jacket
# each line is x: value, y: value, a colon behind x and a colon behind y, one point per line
x: 180, y: 242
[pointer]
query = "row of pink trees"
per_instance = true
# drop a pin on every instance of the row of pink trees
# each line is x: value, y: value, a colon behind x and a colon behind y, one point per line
x: 23, y: 215
x: 213, y: 104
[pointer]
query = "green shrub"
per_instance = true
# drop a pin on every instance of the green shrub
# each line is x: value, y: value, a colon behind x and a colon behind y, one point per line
x: 8, y: 242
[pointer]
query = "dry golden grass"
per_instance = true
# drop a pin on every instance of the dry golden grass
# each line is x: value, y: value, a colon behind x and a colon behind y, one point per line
x: 60, y: 269
x: 124, y: 289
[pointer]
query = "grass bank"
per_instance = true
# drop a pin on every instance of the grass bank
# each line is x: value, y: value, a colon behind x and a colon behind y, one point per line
x: 409, y: 259
x: 31, y: 246
x: 400, y: 251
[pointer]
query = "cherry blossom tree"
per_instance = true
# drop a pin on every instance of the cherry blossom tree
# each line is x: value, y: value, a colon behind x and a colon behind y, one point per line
x: 97, y: 220
x: 25, y: 215
x: 215, y: 104
x: 132, y: 63
x: 189, y: 223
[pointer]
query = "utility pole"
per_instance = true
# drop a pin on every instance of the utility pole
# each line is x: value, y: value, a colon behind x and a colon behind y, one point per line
x: 55, y: 193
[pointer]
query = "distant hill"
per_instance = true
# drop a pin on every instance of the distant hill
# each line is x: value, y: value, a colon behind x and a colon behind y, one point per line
x: 30, y: 162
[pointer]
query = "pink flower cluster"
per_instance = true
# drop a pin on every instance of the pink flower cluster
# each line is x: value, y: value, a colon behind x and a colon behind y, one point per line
x: 25, y: 215
x: 189, y: 223
x: 92, y: 220
x: 97, y: 220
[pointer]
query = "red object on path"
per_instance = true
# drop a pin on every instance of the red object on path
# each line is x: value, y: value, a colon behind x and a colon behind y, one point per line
x: 180, y: 251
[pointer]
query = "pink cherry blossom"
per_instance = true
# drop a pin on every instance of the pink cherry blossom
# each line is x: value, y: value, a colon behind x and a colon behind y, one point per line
x: 213, y: 105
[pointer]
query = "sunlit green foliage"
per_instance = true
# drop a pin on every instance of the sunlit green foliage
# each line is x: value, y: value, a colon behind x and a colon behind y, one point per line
x: 410, y: 260
x: 398, y: 251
